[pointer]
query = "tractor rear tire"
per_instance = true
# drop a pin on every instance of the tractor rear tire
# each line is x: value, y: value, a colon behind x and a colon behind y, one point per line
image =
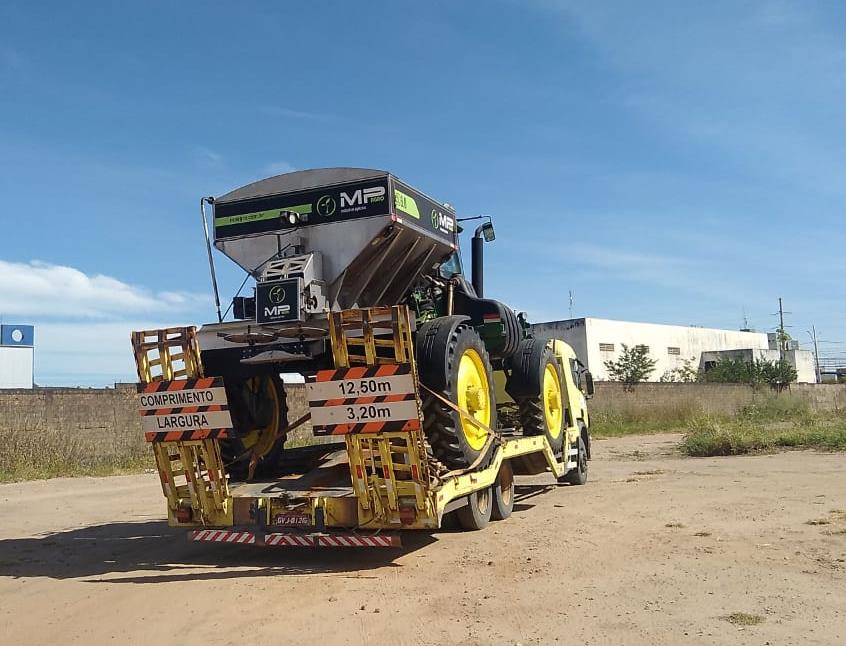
x: 453, y: 362
x: 537, y: 385
x: 259, y: 409
x: 476, y: 514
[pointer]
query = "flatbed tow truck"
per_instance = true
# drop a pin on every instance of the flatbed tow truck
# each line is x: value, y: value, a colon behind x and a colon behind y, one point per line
x: 379, y: 468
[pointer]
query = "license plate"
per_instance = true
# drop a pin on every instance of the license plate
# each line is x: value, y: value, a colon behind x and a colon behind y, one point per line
x: 292, y: 520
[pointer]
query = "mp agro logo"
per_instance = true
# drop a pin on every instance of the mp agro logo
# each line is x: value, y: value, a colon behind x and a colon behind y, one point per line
x: 443, y: 222
x: 276, y: 303
x: 276, y: 294
x: 359, y: 199
x: 325, y: 205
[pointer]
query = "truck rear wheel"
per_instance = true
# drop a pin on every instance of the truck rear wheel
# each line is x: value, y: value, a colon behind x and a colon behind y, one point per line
x: 476, y: 514
x: 579, y: 475
x: 503, y: 492
x: 259, y: 410
x: 453, y: 362
x: 537, y: 385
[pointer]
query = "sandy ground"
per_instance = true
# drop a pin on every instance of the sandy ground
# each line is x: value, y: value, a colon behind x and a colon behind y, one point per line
x: 656, y: 549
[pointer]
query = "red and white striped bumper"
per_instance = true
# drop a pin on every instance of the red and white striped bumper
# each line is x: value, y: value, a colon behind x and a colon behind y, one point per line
x: 294, y: 540
x: 222, y: 536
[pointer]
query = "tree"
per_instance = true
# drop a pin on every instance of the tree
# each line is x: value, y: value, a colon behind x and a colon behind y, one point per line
x: 758, y: 371
x: 683, y: 374
x: 633, y: 366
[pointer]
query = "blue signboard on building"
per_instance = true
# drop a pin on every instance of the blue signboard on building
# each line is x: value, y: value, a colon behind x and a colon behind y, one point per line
x: 17, y: 335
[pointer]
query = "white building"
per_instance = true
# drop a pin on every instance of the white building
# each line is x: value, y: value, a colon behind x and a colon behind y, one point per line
x: 599, y: 340
x: 16, y: 356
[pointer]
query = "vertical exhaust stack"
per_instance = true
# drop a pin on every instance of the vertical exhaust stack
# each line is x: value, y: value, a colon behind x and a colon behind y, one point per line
x: 477, y: 249
x: 484, y: 233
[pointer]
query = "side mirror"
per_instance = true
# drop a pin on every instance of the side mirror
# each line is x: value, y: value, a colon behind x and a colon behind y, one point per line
x: 588, y: 383
x: 488, y: 232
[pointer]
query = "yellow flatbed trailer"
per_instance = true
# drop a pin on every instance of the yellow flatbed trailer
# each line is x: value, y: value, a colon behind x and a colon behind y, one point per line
x: 359, y: 491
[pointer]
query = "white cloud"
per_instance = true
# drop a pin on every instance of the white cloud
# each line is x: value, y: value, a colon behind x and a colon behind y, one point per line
x: 281, y: 111
x: 39, y: 289
x: 209, y: 156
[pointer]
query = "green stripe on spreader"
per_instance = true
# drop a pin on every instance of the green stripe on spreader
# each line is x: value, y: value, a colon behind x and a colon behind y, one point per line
x: 406, y: 203
x: 272, y: 214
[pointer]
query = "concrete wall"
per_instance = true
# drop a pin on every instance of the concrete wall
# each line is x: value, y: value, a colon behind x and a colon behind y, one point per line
x: 710, y: 398
x: 103, y: 417
x: 108, y: 418
x: 803, y: 361
x: 16, y: 367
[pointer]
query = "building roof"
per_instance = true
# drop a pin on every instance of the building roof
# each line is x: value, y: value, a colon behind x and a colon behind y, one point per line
x: 665, y: 325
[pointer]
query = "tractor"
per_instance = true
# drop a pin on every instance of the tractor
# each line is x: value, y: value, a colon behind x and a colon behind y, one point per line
x: 318, y: 241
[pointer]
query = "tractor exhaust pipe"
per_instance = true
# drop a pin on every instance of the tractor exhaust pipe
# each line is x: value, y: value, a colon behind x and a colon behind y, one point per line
x: 484, y: 233
x: 478, y: 259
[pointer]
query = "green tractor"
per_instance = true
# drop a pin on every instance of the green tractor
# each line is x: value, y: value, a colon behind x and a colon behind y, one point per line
x: 343, y: 238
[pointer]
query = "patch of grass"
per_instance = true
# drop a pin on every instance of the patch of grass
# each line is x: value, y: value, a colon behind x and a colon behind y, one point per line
x: 766, y: 409
x: 651, y: 472
x: 39, y: 454
x: 702, y: 534
x: 640, y: 420
x: 709, y: 435
x: 835, y: 532
x: 819, y: 521
x: 743, y: 619
x: 675, y: 525
x: 775, y: 408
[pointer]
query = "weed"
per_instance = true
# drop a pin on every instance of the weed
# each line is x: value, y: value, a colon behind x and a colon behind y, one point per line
x: 35, y: 454
x: 675, y: 525
x: 638, y: 420
x: 743, y: 619
x: 750, y: 433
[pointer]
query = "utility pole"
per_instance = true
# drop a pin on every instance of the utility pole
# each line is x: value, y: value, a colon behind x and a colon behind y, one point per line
x: 816, y: 354
x: 781, y: 339
x: 571, y: 303
x: 782, y: 333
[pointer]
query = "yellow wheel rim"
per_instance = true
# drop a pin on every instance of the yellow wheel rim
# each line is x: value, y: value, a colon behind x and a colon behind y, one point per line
x: 261, y: 439
x: 552, y: 408
x: 474, y: 396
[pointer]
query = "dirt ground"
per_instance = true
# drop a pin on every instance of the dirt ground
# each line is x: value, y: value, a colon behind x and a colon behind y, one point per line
x: 655, y: 549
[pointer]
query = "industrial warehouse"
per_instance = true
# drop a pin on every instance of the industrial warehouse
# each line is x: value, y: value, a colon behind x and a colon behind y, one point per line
x: 598, y: 340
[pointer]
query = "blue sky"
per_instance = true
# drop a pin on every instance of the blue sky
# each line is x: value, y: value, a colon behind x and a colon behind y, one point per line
x: 675, y: 162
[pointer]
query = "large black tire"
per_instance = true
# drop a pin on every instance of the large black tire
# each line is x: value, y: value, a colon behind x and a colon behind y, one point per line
x: 257, y: 407
x: 503, y: 492
x: 579, y: 475
x: 440, y: 346
x: 476, y: 514
x: 532, y: 366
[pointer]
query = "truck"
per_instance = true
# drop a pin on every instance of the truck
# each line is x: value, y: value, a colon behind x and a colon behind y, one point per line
x: 425, y: 397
